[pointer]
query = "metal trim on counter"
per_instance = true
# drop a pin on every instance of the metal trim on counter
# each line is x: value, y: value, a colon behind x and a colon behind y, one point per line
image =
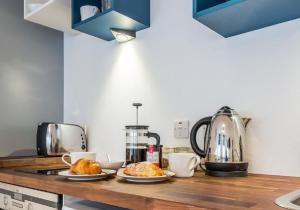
x: 73, y: 203
x: 286, y: 201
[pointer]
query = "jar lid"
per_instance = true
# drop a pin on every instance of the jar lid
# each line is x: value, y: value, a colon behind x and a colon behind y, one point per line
x: 136, y: 126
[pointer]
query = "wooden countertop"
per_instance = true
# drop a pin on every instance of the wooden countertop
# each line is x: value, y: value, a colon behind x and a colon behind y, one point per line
x: 199, y: 192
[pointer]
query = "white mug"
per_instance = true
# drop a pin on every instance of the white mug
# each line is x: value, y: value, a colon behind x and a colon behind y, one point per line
x: 78, y: 155
x: 88, y: 11
x: 183, y: 164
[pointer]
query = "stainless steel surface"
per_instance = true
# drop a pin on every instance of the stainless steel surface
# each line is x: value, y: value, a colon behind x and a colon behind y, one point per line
x: 73, y: 203
x: 227, y: 137
x: 60, y: 139
x: 224, y: 142
x: 290, y: 200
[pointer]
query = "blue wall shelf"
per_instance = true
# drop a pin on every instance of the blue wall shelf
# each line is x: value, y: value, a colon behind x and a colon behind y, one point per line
x: 232, y: 17
x: 131, y: 15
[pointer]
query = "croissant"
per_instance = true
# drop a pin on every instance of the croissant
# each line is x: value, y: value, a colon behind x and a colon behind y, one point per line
x: 85, y: 166
x: 143, y: 169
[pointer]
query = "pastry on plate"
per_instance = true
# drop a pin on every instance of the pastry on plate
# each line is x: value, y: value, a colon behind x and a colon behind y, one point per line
x: 145, y: 169
x: 85, y: 166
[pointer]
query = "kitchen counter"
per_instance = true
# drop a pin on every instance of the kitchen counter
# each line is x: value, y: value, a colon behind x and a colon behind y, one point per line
x: 199, y: 192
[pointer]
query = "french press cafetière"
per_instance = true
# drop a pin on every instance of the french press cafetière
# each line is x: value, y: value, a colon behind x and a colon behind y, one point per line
x: 137, y: 139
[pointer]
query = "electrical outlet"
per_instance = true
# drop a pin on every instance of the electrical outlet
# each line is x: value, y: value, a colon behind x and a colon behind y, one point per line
x: 181, y: 129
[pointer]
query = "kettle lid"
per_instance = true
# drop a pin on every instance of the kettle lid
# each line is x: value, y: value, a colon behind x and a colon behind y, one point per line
x: 226, y: 110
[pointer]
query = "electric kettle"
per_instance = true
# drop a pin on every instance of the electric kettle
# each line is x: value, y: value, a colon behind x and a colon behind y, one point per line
x: 224, y: 143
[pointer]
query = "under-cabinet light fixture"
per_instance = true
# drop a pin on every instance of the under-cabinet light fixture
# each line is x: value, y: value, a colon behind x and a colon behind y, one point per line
x: 123, y: 35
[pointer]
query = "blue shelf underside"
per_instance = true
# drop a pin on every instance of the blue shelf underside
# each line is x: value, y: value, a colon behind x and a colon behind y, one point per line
x: 100, y: 26
x: 240, y: 16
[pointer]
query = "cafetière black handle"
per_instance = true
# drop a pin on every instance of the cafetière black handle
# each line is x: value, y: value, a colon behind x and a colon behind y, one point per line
x: 154, y: 135
x: 205, y: 121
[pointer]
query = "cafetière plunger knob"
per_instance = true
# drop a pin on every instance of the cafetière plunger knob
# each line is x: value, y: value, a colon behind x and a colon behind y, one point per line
x: 137, y: 105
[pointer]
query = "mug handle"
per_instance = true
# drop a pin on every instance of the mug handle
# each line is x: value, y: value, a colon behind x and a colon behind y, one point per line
x: 197, y: 161
x: 63, y: 159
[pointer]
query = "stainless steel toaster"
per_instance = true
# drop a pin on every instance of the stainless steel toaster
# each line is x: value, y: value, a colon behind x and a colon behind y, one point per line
x: 55, y: 139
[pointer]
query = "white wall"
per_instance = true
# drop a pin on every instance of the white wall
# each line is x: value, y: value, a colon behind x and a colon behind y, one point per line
x: 179, y: 69
x: 31, y: 79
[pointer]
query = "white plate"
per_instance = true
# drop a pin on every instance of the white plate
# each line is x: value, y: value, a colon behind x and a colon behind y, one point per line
x: 140, y: 179
x: 85, y: 177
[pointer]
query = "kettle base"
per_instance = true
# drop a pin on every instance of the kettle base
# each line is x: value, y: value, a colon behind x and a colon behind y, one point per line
x: 226, y: 173
x: 227, y: 167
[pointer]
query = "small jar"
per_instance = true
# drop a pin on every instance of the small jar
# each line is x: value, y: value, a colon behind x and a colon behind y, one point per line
x: 154, y: 154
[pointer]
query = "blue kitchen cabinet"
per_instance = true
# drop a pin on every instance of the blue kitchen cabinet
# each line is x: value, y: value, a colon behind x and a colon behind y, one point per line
x: 131, y: 15
x: 232, y: 17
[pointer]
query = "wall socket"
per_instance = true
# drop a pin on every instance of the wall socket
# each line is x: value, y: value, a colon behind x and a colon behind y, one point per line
x: 181, y: 129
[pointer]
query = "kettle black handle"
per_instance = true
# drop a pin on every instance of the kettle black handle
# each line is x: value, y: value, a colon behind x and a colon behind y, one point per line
x: 154, y: 135
x: 205, y: 121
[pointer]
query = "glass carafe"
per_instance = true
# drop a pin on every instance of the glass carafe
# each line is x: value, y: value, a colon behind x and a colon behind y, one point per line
x: 137, y: 140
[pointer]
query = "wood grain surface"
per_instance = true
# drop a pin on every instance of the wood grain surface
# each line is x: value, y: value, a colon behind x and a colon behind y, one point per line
x: 30, y: 161
x: 199, y: 192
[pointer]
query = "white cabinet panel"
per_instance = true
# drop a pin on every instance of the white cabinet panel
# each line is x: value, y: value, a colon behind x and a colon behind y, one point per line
x: 51, y: 13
